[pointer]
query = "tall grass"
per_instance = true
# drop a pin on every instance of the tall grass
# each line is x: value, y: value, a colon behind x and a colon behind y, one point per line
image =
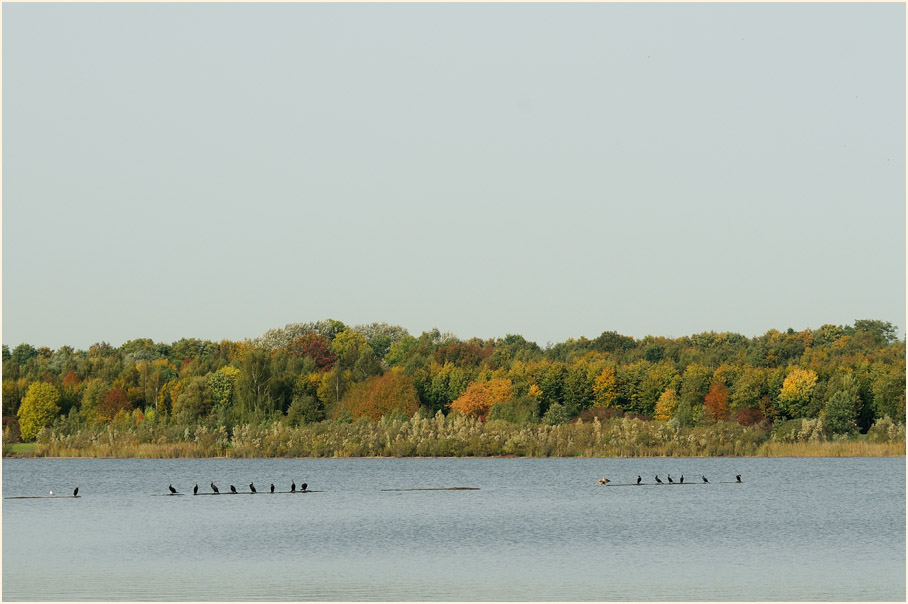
x: 457, y: 436
x: 835, y: 448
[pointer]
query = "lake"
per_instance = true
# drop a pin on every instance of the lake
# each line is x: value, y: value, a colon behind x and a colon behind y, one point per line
x: 537, y: 529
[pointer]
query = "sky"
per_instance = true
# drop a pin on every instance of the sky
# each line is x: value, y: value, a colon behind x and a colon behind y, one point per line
x: 550, y: 170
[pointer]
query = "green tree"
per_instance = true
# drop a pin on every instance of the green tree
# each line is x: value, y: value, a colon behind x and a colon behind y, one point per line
x: 194, y: 400
x: 38, y: 409
x: 23, y: 353
x: 841, y: 411
x: 252, y: 381
x: 881, y: 332
x: 305, y: 409
x: 222, y: 385
x: 888, y: 391
x: 694, y: 386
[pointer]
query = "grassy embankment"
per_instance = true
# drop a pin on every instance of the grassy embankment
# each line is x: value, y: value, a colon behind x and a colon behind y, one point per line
x: 458, y: 436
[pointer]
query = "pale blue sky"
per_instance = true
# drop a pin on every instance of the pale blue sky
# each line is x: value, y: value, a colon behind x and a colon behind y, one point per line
x: 217, y: 170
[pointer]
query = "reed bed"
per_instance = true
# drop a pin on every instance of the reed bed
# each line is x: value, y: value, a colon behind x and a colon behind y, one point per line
x: 460, y: 436
x: 835, y: 448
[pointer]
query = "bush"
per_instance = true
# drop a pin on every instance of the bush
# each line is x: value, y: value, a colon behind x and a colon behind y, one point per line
x: 556, y: 414
x: 885, y: 430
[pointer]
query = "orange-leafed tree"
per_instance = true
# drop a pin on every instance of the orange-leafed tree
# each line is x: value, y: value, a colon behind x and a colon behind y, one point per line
x: 715, y: 403
x: 390, y: 394
x: 112, y: 402
x: 479, y: 397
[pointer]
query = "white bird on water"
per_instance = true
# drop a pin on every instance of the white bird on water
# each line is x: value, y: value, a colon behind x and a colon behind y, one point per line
x: 51, y: 493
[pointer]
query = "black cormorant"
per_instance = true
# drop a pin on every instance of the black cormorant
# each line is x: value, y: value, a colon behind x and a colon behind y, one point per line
x: 293, y: 486
x: 76, y: 490
x: 251, y: 488
x: 670, y: 478
x: 682, y: 479
x: 233, y: 489
x: 657, y: 479
x: 195, y: 489
x: 304, y: 487
x: 173, y: 491
x: 214, y: 488
x: 738, y: 476
x: 272, y: 487
x: 639, y: 479
x: 704, y: 479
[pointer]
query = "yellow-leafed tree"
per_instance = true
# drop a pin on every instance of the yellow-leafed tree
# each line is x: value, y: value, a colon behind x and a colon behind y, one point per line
x: 794, y: 397
x: 667, y: 405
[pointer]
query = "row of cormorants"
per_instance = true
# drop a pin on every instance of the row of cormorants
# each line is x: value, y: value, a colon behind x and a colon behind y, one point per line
x: 214, y: 488
x: 605, y: 480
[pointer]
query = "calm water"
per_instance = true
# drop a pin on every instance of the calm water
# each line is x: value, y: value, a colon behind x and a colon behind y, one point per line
x: 538, y: 529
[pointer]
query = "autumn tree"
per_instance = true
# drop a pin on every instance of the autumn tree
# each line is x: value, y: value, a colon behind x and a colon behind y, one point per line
x: 605, y: 388
x: 794, y: 397
x: 38, y: 409
x: 112, y: 402
x: 389, y: 394
x: 715, y: 403
x: 479, y: 397
x: 667, y: 405
x: 315, y: 346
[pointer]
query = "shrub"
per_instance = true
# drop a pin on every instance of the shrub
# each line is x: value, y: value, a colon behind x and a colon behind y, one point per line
x: 556, y: 414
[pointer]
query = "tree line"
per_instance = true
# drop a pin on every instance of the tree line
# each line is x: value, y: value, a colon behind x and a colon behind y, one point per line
x: 847, y: 378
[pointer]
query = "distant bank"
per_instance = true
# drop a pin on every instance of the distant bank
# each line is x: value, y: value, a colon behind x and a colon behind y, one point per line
x: 460, y: 436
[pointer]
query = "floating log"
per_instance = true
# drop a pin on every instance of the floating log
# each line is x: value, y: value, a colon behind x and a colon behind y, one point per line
x: 438, y: 489
x: 167, y: 494
x: 46, y: 497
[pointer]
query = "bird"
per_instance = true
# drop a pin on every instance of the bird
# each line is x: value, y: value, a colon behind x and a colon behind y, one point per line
x: 738, y: 476
x: 272, y: 487
x: 51, y: 493
x: 214, y: 488
x: 704, y: 479
x: 233, y: 489
x: 251, y: 488
x: 76, y: 491
x: 173, y: 491
x: 602, y: 480
x: 682, y: 479
x: 670, y: 478
x: 639, y: 479
x: 657, y: 479
x: 304, y: 486
x: 293, y: 486
x: 195, y: 489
